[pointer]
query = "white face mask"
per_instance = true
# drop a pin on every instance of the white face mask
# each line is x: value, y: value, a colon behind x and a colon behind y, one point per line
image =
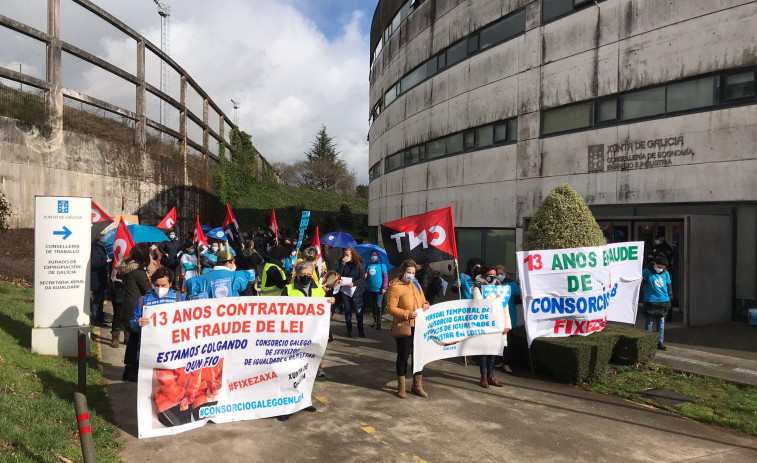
x: 162, y: 292
x: 347, y: 258
x: 659, y: 270
x: 234, y: 268
x: 408, y: 277
x: 658, y: 242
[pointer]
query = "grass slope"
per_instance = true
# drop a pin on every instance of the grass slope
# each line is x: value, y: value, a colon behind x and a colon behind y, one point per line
x: 719, y: 402
x: 275, y: 196
x: 38, y: 421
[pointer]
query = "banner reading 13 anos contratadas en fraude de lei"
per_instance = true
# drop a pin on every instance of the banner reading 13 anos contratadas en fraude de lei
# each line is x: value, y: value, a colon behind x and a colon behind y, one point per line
x: 577, y: 291
x: 228, y: 359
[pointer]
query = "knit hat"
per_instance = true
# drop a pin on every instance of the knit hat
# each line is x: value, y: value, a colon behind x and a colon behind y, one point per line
x: 224, y: 253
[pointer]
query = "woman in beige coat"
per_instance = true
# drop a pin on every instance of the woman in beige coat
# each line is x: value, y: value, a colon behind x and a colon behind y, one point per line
x: 403, y: 299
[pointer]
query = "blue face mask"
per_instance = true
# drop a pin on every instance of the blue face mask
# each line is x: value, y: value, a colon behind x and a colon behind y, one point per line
x: 374, y: 259
x: 173, y: 237
x: 191, y: 251
x: 214, y: 249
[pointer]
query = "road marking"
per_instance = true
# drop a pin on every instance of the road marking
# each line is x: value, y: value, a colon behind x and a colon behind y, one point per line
x: 370, y: 430
x: 322, y: 400
x: 687, y: 360
x: 746, y: 370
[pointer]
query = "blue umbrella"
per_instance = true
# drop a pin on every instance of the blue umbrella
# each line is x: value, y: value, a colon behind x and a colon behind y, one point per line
x: 338, y: 240
x: 365, y: 252
x: 216, y: 233
x: 139, y: 233
x: 206, y: 228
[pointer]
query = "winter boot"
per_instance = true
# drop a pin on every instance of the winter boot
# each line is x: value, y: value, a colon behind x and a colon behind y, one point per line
x: 115, y: 335
x: 401, y: 392
x: 126, y: 336
x: 484, y: 381
x: 493, y: 381
x: 417, y: 388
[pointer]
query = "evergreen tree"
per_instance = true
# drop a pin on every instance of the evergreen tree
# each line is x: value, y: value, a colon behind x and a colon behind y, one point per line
x: 563, y: 220
x: 323, y: 169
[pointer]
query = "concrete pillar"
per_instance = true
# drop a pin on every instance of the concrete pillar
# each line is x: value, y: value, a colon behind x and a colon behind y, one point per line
x: 141, y: 131
x: 54, y: 96
x: 183, y: 126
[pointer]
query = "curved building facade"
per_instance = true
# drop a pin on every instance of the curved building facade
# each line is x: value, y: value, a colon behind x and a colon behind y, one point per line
x: 645, y: 107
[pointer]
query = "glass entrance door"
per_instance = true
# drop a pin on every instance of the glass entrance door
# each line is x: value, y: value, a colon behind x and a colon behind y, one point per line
x: 664, y: 237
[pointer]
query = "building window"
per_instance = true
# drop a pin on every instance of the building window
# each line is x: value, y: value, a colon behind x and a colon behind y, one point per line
x: 697, y: 94
x: 493, y: 34
x: 404, y: 12
x: 375, y: 113
x: 374, y: 172
x: 643, y: 103
x: 555, y: 9
x: 468, y: 140
x: 739, y: 86
x: 692, y: 94
x: 493, y: 246
x: 568, y: 118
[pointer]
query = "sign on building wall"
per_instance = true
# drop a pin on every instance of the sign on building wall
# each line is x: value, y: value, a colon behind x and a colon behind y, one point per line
x: 640, y: 154
x: 577, y: 291
x: 62, y: 230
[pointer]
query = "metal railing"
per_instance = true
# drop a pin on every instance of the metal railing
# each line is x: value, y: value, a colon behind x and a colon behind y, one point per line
x: 65, y: 77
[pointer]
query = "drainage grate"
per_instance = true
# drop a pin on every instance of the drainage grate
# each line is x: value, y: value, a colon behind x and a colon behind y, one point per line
x: 665, y: 396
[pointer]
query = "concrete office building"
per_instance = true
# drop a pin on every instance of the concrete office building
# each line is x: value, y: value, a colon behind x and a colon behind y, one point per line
x: 646, y: 107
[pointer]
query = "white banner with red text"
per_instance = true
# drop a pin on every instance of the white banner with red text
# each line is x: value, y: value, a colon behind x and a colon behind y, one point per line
x: 229, y: 359
x: 577, y: 291
x: 459, y: 328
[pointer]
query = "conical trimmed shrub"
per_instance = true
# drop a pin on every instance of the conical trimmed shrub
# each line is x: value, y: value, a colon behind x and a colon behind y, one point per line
x: 563, y: 220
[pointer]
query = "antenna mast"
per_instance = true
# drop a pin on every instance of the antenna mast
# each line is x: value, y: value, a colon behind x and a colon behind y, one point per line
x: 165, y: 12
x: 236, y: 112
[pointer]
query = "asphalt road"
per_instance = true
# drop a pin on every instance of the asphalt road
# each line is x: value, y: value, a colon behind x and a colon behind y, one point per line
x: 359, y: 419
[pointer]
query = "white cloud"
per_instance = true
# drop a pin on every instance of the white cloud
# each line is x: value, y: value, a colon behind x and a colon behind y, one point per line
x: 288, y: 77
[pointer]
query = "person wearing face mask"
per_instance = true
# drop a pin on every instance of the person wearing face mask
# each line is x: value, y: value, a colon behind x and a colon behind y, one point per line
x: 658, y: 289
x: 208, y: 257
x: 170, y: 253
x: 488, y: 277
x: 403, y: 300
x: 223, y: 281
x: 188, y: 262
x: 160, y: 293
x: 351, y: 266
x: 273, y: 280
x: 304, y: 284
x: 376, y: 281
x: 468, y: 278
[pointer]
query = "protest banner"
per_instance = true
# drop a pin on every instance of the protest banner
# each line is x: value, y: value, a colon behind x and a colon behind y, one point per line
x: 577, y: 291
x: 457, y: 329
x: 229, y: 359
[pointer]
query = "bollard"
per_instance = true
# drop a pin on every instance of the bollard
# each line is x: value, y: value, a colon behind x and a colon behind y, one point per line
x: 85, y: 430
x: 82, y: 362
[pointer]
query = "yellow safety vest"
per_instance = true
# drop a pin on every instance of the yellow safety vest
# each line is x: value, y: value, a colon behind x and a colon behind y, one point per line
x: 317, y: 291
x: 266, y: 290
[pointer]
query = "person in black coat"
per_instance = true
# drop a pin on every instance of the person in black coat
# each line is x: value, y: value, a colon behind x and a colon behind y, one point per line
x: 136, y: 281
x: 249, y: 259
x: 171, y: 254
x: 98, y: 281
x: 351, y: 266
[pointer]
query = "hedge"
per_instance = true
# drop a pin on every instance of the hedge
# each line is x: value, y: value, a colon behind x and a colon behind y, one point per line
x: 577, y: 358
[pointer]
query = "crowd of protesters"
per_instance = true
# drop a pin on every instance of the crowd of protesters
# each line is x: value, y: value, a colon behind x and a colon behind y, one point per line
x: 170, y: 271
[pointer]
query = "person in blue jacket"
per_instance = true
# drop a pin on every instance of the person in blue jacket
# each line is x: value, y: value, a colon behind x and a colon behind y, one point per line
x: 223, y: 281
x: 376, y: 281
x: 658, y: 289
x: 515, y: 299
x: 161, y: 293
x: 468, y: 279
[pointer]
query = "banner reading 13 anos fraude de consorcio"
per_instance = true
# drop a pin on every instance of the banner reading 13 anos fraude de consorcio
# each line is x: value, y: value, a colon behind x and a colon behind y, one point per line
x: 228, y: 359
x: 577, y: 291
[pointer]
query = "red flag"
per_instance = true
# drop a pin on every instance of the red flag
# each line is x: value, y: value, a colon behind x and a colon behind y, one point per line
x: 99, y: 215
x: 428, y: 237
x: 274, y: 226
x: 169, y: 220
x: 319, y: 262
x: 122, y: 244
x: 199, y: 236
x: 231, y: 229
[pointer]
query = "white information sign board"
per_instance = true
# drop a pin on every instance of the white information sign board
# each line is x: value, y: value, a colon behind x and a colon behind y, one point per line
x: 62, y: 245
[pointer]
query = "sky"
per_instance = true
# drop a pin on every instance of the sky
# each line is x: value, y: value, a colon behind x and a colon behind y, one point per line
x: 291, y: 64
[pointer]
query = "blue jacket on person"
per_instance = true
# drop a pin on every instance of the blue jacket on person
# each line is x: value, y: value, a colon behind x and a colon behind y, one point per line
x: 511, y: 304
x: 151, y: 298
x: 221, y: 282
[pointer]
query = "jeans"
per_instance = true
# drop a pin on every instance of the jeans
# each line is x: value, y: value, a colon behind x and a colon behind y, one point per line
x: 374, y: 300
x: 96, y: 312
x: 660, y: 325
x: 486, y: 365
x: 349, y: 306
x: 404, y: 348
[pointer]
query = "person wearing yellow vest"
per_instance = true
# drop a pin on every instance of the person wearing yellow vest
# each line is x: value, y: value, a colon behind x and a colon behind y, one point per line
x: 303, y: 285
x: 274, y: 279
